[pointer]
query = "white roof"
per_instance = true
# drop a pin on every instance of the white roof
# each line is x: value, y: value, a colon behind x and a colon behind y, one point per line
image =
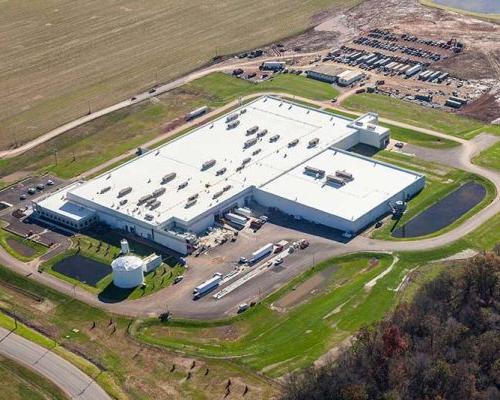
x: 127, y: 263
x: 373, y: 183
x: 349, y: 74
x: 185, y: 156
x: 58, y: 203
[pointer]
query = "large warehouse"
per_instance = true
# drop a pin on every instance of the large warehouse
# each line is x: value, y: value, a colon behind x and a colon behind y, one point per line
x: 277, y: 153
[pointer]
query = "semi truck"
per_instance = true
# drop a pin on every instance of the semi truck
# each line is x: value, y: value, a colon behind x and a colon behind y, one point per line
x: 236, y: 219
x: 207, y: 286
x: 261, y: 253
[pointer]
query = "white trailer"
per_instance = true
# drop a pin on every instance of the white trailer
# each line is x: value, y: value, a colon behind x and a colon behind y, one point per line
x: 196, y: 113
x: 207, y: 286
x: 243, y: 211
x: 261, y: 253
x: 236, y: 219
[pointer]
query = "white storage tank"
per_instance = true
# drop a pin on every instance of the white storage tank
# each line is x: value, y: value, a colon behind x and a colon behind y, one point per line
x: 127, y: 272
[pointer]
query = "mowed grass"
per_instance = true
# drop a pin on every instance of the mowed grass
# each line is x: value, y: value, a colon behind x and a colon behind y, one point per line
x: 489, y: 158
x: 98, y: 141
x: 58, y: 55
x: 20, y: 248
x: 417, y: 115
x: 20, y: 383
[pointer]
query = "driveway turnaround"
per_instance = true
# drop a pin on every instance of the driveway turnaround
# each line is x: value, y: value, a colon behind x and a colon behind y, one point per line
x: 62, y: 373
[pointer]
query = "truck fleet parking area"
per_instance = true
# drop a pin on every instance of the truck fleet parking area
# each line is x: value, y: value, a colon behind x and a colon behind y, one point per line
x: 244, y: 283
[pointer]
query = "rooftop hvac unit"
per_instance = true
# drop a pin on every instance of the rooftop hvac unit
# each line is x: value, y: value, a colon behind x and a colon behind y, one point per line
x: 123, y: 202
x: 314, y: 171
x: 252, y: 130
x: 167, y: 178
x: 249, y: 143
x: 262, y: 133
x: 182, y: 185
x: 274, y: 138
x: 193, y: 197
x: 344, y: 175
x: 221, y: 171
x: 124, y: 191
x: 243, y: 111
x: 371, y: 127
x: 231, y: 117
x: 148, y: 217
x: 233, y: 124
x: 226, y: 188
x: 239, y: 168
x: 335, y: 179
x: 313, y: 142
x: 218, y: 194
x: 106, y: 189
x: 246, y: 160
x: 255, y: 152
x: 143, y: 199
x: 190, y: 203
x: 150, y: 201
x: 208, y: 164
x: 293, y: 143
x: 156, y: 204
x: 159, y: 192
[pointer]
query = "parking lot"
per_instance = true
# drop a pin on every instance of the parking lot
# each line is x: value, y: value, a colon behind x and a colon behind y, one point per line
x: 225, y: 259
x: 14, y: 195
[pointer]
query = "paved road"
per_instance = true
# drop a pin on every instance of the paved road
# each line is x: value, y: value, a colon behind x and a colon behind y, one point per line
x: 62, y: 373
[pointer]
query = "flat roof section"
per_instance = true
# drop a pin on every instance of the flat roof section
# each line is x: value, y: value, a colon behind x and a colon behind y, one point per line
x: 372, y: 184
x: 262, y: 162
x: 58, y: 203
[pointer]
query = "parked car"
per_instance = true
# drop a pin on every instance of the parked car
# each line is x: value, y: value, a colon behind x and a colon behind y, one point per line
x: 278, y: 261
x: 23, y: 196
x: 178, y: 279
x: 242, y: 307
x: 31, y: 190
x: 50, y: 182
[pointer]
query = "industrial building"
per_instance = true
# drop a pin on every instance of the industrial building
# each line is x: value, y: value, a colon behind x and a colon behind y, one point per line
x: 324, y: 73
x: 348, y: 77
x: 277, y: 153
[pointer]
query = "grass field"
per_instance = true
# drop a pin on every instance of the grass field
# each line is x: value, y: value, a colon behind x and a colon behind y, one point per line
x: 123, y: 367
x: 414, y: 114
x: 131, y: 127
x: 440, y: 181
x: 20, y: 383
x: 20, y: 248
x: 490, y: 157
x: 60, y: 55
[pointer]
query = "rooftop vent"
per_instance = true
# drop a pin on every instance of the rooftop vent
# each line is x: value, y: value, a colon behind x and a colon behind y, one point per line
x: 252, y: 130
x: 193, y: 197
x: 262, y: 133
x: 182, y: 185
x: 249, y: 143
x: 316, y: 172
x: 221, y: 171
x: 226, y: 188
x: 255, y: 152
x: 208, y: 164
x: 167, y: 178
x: 218, y: 194
x: 293, y: 143
x: 106, y: 189
x: 313, y: 142
x: 124, y: 191
x: 190, y: 203
x: 274, y: 138
x: 246, y: 160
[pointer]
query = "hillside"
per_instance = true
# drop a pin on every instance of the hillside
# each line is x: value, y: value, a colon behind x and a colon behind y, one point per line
x: 444, y: 345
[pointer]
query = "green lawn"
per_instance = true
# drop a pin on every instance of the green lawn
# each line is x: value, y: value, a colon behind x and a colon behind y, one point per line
x: 21, y: 248
x: 490, y: 157
x: 20, y: 383
x: 417, y: 115
x: 408, y: 135
x: 77, y: 151
x: 440, y: 181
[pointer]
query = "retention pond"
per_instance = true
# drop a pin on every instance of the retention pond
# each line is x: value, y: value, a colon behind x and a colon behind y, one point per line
x: 444, y: 212
x: 83, y: 269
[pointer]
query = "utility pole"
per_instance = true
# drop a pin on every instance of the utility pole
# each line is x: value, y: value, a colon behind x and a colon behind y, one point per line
x: 55, y: 155
x: 90, y: 111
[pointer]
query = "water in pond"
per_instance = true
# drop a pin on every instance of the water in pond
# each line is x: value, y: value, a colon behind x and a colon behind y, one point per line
x: 444, y: 212
x: 83, y: 269
x: 479, y: 6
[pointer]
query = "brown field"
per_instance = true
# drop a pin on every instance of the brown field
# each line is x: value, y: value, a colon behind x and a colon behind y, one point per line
x: 59, y: 56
